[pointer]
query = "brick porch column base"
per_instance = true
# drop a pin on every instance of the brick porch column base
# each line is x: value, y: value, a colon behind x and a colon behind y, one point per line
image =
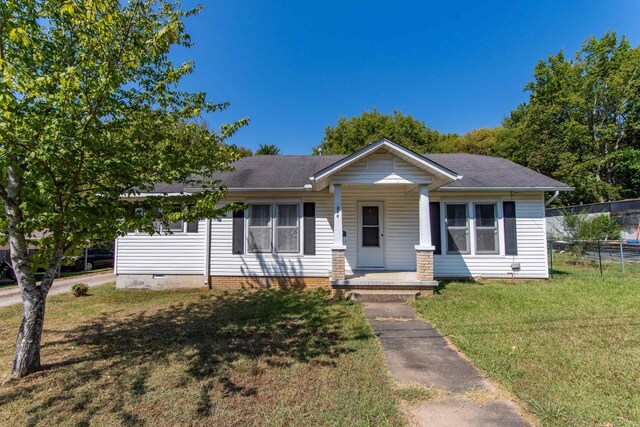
x: 424, y: 265
x: 337, y: 264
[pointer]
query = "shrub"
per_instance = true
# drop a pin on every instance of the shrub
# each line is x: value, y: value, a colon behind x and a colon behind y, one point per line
x: 80, y: 290
x: 590, y: 227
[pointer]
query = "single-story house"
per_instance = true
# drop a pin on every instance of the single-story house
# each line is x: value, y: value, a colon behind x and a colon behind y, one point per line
x: 338, y: 220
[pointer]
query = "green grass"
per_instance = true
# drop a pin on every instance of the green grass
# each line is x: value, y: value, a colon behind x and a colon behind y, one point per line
x: 569, y: 347
x: 198, y: 357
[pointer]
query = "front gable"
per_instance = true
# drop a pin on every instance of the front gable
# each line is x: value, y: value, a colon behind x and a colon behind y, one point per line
x: 384, y: 162
x: 381, y: 167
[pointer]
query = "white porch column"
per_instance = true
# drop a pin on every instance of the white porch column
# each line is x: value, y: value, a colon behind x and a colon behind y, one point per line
x: 338, y: 248
x: 424, y: 251
x: 337, y: 217
x: 425, y: 219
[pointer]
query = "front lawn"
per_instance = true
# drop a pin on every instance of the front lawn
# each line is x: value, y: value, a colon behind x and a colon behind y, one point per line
x: 569, y: 347
x: 198, y: 357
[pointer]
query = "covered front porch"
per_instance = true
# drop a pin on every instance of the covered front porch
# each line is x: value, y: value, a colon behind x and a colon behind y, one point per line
x: 382, y: 236
x: 381, y: 215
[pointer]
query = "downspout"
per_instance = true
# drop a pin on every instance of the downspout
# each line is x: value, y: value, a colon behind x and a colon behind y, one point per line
x: 552, y: 198
x: 207, y: 252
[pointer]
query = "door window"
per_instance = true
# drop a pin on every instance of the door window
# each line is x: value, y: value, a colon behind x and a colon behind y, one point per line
x: 371, y: 226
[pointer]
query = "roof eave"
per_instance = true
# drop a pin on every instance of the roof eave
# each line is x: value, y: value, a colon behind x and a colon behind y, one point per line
x: 506, y: 189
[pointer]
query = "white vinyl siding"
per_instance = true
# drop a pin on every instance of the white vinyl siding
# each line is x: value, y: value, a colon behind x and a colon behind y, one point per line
x: 381, y: 169
x: 224, y: 263
x: 180, y: 253
x: 184, y: 253
x: 532, y: 245
x: 399, y: 224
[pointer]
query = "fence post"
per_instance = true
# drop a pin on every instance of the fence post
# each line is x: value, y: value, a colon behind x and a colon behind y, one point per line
x: 622, y: 256
x: 550, y: 258
x: 600, y: 256
x: 85, y: 259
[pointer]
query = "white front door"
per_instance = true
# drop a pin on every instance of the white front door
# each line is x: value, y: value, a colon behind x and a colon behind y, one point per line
x: 370, y: 235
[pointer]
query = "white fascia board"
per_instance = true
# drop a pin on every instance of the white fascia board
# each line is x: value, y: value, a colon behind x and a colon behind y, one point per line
x: 272, y: 189
x: 139, y: 195
x: 507, y: 189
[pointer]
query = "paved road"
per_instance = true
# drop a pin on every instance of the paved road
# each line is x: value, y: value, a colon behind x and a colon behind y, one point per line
x: 12, y: 295
x: 416, y: 354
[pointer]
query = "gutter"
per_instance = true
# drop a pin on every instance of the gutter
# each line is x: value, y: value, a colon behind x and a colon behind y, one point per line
x: 506, y: 189
x: 552, y: 198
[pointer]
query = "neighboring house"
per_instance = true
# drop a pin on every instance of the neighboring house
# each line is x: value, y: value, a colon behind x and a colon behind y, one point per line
x: 316, y: 220
x: 626, y: 212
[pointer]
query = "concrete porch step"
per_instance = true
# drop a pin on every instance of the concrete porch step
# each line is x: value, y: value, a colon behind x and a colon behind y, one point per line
x: 381, y: 295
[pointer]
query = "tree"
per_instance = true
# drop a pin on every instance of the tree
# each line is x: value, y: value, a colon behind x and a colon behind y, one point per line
x: 479, y: 141
x: 582, y: 121
x: 267, y: 150
x: 350, y: 135
x: 243, y: 151
x: 91, y: 110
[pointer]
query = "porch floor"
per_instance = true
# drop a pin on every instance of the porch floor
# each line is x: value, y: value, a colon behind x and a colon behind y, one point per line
x: 383, y: 276
x: 383, y: 279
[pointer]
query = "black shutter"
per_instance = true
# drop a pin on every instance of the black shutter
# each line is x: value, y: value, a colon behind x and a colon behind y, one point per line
x: 238, y: 233
x: 434, y: 213
x: 192, y: 227
x: 309, y: 213
x: 510, y: 234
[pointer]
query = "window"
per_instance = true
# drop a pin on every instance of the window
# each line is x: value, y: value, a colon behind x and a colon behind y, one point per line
x: 457, y: 223
x: 176, y: 227
x: 486, y: 228
x: 287, y: 229
x: 260, y: 228
x: 274, y: 228
x: 371, y: 226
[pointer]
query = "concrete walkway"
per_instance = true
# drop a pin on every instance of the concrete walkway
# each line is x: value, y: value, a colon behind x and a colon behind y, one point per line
x: 416, y: 354
x: 11, y: 295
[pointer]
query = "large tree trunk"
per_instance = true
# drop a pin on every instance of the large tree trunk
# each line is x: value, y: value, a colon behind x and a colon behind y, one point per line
x: 27, y: 357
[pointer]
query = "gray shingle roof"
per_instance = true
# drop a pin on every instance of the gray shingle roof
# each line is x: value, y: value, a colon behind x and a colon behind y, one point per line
x: 484, y: 171
x: 282, y: 172
x: 275, y: 171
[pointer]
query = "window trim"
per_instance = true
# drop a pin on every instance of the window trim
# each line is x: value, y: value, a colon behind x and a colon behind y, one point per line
x: 496, y: 227
x: 274, y: 204
x: 161, y: 229
x: 471, y: 220
x: 249, y: 226
x: 276, y: 226
x: 467, y: 228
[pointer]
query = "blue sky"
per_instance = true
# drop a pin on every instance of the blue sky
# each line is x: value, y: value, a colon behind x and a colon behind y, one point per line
x: 295, y: 67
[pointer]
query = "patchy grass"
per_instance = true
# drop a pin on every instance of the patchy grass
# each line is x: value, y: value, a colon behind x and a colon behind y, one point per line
x: 417, y: 394
x: 568, y: 347
x: 197, y: 357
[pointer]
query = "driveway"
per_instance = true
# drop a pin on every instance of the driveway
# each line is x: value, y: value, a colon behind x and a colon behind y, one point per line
x: 418, y: 355
x: 12, y: 295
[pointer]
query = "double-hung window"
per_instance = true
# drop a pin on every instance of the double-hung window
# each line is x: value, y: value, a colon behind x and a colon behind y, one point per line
x: 457, y: 222
x: 486, y: 225
x: 287, y: 233
x: 274, y: 228
x: 260, y: 228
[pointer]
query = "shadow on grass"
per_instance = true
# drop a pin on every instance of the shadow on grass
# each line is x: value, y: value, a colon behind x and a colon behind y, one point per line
x: 278, y: 327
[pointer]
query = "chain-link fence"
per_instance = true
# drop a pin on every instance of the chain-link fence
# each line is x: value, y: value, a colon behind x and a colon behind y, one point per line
x: 607, y: 256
